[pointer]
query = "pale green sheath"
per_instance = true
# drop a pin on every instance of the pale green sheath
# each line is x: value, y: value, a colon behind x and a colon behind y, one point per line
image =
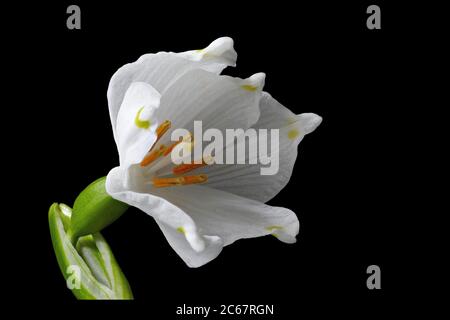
x: 83, y: 255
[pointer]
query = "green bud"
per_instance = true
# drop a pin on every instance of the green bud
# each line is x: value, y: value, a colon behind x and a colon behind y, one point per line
x: 90, y: 269
x: 93, y: 210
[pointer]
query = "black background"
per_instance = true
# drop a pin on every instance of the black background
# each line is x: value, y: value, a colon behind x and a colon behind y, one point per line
x: 346, y: 184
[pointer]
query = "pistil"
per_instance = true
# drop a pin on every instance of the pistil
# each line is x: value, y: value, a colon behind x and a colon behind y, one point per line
x: 179, y: 181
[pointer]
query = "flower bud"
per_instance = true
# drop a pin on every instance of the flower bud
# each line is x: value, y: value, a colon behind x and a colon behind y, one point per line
x: 89, y: 267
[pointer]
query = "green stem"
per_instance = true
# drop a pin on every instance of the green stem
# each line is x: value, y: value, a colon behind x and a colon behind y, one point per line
x: 93, y: 210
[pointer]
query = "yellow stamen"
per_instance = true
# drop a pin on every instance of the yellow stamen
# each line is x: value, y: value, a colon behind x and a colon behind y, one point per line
x: 188, y: 144
x: 179, y: 181
x: 184, y: 168
x: 162, y: 128
x: 170, y: 148
x: 153, y: 155
x: 163, y: 150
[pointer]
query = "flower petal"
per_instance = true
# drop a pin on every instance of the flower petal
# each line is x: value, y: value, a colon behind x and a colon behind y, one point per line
x: 163, y: 68
x: 217, y: 56
x: 135, y: 126
x: 191, y: 257
x: 198, y: 229
x: 231, y: 217
x: 220, y: 102
x: 127, y: 185
x: 246, y: 180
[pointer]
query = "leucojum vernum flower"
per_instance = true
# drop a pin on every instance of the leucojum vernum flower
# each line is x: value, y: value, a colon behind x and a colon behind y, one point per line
x: 199, y: 152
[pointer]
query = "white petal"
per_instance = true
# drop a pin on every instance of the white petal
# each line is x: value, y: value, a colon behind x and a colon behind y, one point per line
x: 220, y: 102
x: 163, y: 68
x: 229, y: 216
x: 191, y: 257
x: 127, y: 185
x: 135, y: 126
x: 246, y: 180
x: 220, y: 53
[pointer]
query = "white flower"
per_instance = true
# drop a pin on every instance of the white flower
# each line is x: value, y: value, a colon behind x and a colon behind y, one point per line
x: 209, y: 206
